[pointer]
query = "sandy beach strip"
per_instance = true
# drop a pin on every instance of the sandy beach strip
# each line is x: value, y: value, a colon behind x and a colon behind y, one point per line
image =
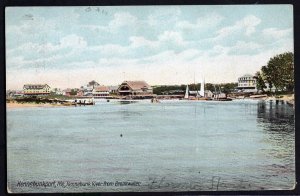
x: 30, y: 105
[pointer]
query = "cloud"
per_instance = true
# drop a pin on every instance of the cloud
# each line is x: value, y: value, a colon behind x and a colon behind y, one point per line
x: 72, y: 41
x: 139, y: 41
x: 109, y: 50
x: 242, y: 47
x: 122, y: 19
x: 161, y: 17
x: 171, y: 36
x: 167, y: 37
x: 47, y: 50
x: 249, y: 22
x: 119, y: 20
x: 245, y: 26
x: 276, y: 33
x: 37, y: 24
x: 206, y: 21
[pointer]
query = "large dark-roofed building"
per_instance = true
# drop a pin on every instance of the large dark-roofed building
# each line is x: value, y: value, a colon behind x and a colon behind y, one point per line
x: 135, y: 88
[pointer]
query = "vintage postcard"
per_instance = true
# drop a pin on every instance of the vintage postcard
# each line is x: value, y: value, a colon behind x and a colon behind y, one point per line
x: 150, y: 98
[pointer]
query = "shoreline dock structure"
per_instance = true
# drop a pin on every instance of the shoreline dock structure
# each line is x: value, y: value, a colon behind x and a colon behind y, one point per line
x: 84, y: 102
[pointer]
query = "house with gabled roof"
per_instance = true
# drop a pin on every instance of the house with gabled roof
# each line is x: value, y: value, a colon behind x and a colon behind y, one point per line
x: 135, y: 88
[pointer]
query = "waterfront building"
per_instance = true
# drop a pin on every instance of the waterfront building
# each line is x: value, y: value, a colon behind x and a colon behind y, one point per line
x: 135, y: 88
x: 67, y: 92
x: 101, y: 92
x: 80, y: 93
x: 57, y: 91
x: 113, y: 89
x: 36, y: 89
x: 88, y: 89
x: 247, y: 83
x: 14, y: 93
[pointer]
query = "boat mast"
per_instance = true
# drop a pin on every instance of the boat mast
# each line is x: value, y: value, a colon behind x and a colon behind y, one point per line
x: 215, y: 91
x: 195, y: 89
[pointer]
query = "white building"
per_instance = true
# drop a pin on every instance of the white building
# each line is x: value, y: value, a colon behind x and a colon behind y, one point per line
x: 247, y: 83
x: 57, y: 91
x: 100, y: 92
x: 88, y: 89
x: 36, y: 89
x: 113, y: 89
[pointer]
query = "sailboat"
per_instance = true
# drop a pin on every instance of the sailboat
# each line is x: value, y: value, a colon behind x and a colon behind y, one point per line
x: 202, y: 92
x: 202, y: 89
x: 186, y: 96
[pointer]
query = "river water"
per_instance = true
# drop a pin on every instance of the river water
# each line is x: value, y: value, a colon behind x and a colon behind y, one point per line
x: 168, y: 146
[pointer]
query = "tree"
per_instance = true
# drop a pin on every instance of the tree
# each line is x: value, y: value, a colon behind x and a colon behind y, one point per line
x: 73, y: 92
x: 267, y: 76
x: 228, y: 87
x: 279, y: 72
x: 260, y: 83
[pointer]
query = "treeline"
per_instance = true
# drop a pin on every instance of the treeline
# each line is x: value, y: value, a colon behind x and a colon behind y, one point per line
x: 278, y: 74
x: 180, y: 89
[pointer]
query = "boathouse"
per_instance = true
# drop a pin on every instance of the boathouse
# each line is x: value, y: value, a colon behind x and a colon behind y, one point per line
x: 135, y: 88
x: 36, y: 89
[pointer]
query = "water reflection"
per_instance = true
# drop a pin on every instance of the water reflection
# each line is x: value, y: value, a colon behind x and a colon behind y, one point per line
x: 277, y: 115
x: 277, y: 120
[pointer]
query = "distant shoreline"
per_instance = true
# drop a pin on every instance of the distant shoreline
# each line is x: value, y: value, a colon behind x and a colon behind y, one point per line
x: 12, y: 105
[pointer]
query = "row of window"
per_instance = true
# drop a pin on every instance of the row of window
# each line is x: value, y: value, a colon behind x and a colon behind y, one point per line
x: 246, y: 84
x: 246, y: 78
x: 100, y: 95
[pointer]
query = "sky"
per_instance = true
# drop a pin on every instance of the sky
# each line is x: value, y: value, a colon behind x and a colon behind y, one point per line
x: 163, y: 45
